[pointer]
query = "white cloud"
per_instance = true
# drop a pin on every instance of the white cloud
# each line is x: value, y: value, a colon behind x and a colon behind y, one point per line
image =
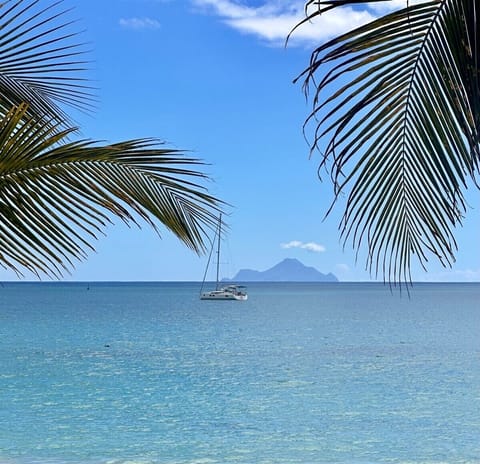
x: 273, y: 20
x: 343, y: 268
x: 291, y: 244
x: 139, y: 23
x: 310, y: 246
x: 457, y: 275
x: 386, y: 7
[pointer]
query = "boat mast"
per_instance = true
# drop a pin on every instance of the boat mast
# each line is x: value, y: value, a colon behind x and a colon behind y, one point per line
x: 218, y: 249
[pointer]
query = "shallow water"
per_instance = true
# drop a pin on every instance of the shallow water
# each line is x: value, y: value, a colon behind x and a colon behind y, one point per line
x: 299, y: 373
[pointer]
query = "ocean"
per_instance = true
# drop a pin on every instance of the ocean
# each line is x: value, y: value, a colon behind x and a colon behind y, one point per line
x: 146, y: 373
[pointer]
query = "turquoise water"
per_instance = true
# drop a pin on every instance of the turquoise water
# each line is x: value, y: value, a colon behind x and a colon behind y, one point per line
x: 299, y: 373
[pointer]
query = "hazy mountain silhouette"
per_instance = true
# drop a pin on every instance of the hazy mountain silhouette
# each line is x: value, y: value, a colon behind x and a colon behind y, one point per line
x: 288, y: 270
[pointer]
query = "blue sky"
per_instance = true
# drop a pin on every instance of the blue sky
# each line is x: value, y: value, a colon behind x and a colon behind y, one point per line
x: 213, y: 77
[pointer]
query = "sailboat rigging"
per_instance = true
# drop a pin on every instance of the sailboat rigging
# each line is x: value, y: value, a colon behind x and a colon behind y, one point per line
x: 229, y: 292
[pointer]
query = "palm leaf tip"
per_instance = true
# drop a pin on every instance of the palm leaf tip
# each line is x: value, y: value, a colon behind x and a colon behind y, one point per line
x: 395, y: 114
x: 56, y: 195
x: 39, y: 63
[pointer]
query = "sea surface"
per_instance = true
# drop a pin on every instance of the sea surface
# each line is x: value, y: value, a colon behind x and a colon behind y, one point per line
x: 146, y: 373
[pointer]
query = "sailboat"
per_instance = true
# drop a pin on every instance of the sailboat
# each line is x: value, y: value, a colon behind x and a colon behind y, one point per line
x: 229, y: 292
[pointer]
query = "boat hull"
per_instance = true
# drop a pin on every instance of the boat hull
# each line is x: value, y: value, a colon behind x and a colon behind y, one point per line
x: 232, y: 292
x: 220, y: 295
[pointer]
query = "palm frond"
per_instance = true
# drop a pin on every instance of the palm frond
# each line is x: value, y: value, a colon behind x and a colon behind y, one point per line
x: 57, y: 196
x: 39, y: 64
x: 396, y: 118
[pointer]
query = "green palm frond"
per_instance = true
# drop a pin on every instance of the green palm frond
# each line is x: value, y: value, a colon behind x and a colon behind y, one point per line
x: 57, y: 196
x: 396, y: 117
x: 38, y: 62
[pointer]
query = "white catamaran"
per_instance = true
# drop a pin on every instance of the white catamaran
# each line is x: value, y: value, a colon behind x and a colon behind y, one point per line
x: 229, y: 292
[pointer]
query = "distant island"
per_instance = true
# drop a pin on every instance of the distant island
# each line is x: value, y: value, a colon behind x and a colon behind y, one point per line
x: 288, y: 270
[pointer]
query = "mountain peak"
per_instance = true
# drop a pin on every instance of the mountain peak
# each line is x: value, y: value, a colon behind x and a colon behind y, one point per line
x: 288, y: 270
x: 290, y: 260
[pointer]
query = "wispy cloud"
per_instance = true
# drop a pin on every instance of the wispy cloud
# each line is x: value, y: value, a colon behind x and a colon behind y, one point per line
x: 343, y: 267
x: 273, y: 20
x: 458, y: 275
x: 139, y: 23
x: 387, y: 6
x: 310, y: 246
